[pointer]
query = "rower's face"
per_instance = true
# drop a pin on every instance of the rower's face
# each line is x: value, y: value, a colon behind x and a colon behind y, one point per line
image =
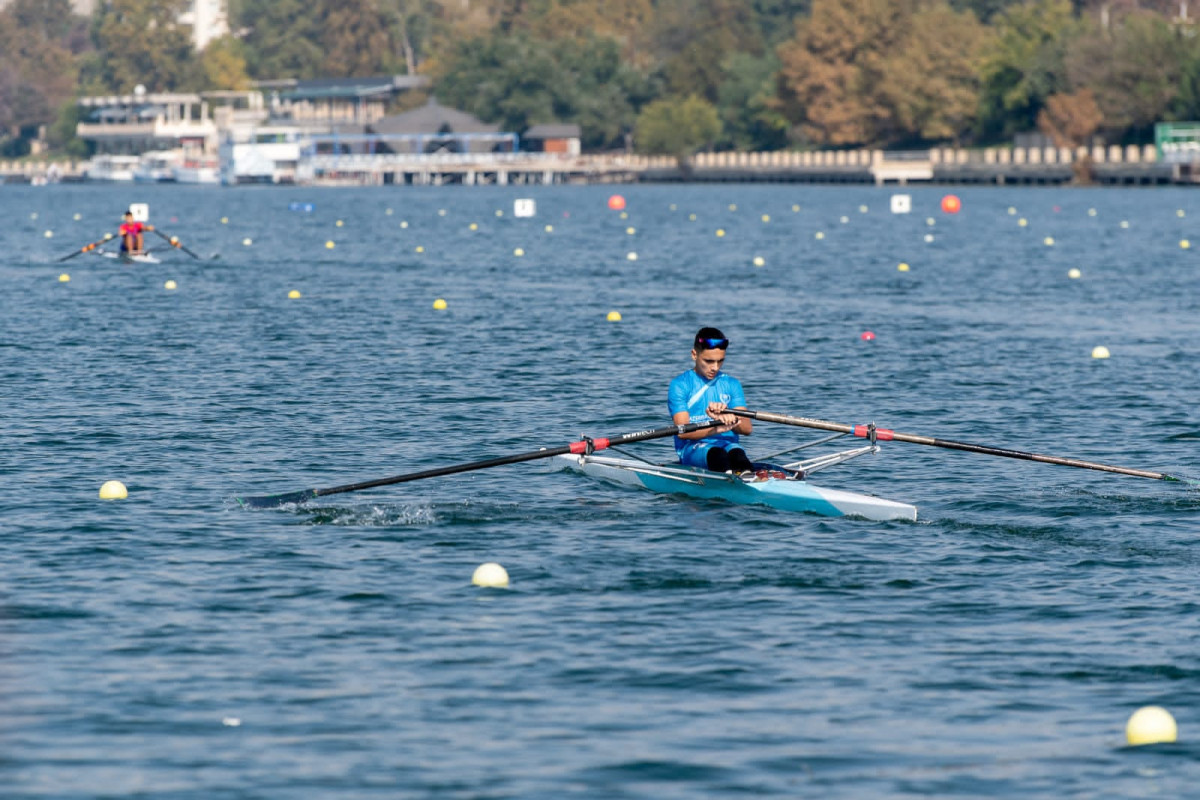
x: 708, y: 362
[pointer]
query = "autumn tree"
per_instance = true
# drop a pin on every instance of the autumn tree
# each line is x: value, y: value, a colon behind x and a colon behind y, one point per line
x: 1070, y: 120
x: 930, y: 85
x: 832, y: 70
x: 223, y: 65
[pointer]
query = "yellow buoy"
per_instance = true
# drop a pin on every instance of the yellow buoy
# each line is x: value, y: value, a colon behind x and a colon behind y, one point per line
x: 1012, y: 211
x: 549, y: 229
x: 170, y: 285
x: 1074, y: 272
x: 1100, y: 351
x: 1023, y: 222
x: 439, y: 304
x: 819, y: 235
x: 1151, y: 725
x: 247, y: 241
x: 631, y: 231
x: 519, y: 252
x: 795, y: 207
x: 759, y: 261
x: 691, y: 217
x: 766, y: 217
x: 843, y: 219
x: 113, y: 490
x: 902, y: 267
x: 294, y: 294
x: 720, y: 232
x: 1091, y: 212
x: 388, y: 212
x: 339, y: 223
x: 77, y: 217
x: 419, y: 249
x: 1124, y: 223
x: 673, y: 207
x: 474, y: 226
x: 1185, y: 244
x: 614, y: 316
x: 624, y: 215
x: 862, y: 209
x: 1180, y: 213
x: 64, y: 278
x: 329, y: 245
x: 224, y: 220
x: 490, y: 575
x: 49, y: 234
x: 403, y: 223
x: 631, y: 256
x: 733, y: 206
x: 1048, y: 241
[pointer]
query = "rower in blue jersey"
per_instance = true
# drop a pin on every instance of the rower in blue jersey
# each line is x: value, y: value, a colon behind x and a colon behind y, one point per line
x: 703, y: 393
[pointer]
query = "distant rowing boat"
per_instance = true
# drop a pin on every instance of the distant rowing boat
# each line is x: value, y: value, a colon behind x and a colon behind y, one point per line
x: 781, y: 487
x: 135, y: 258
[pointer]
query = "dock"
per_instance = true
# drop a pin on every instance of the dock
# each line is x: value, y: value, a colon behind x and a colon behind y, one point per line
x: 1110, y: 166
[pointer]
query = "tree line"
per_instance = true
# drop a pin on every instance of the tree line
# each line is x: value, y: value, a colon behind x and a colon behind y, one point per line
x: 668, y: 76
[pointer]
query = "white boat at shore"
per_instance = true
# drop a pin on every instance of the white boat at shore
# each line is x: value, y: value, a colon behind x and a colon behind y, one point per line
x: 156, y: 166
x: 198, y: 171
x: 111, y: 167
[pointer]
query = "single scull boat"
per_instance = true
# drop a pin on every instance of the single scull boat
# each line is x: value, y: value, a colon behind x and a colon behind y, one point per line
x: 779, y: 486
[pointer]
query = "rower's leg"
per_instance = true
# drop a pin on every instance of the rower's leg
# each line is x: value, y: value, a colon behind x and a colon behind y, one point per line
x: 738, y: 460
x: 718, y: 459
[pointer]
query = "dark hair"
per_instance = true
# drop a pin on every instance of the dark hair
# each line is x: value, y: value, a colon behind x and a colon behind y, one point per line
x: 705, y: 336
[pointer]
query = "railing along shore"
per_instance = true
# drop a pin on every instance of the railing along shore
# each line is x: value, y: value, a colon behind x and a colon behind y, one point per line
x: 1103, y: 165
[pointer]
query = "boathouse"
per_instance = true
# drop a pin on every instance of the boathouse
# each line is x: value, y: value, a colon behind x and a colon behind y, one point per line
x: 558, y: 138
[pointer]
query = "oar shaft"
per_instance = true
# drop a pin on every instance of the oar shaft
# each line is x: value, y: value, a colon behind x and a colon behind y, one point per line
x: 580, y: 448
x: 883, y: 434
x: 174, y: 242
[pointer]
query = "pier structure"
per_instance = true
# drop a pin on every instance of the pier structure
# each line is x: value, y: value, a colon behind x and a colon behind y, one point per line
x: 354, y: 162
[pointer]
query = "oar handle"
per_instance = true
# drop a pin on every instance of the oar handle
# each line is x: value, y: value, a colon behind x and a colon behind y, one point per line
x: 884, y: 434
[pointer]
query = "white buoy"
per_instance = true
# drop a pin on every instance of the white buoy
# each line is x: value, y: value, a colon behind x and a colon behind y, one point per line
x: 113, y: 490
x: 1151, y: 725
x: 490, y: 575
x: 1100, y: 351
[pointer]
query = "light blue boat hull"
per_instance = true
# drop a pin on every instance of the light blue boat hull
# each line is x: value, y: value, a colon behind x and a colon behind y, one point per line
x: 784, y: 494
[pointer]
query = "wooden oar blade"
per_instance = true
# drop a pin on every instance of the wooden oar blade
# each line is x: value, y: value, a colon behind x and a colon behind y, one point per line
x: 278, y: 500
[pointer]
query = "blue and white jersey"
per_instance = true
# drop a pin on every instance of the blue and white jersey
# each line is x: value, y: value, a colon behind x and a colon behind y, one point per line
x: 691, y: 393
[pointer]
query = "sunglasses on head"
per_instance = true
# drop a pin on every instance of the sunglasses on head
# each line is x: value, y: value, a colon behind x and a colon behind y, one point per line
x: 710, y: 344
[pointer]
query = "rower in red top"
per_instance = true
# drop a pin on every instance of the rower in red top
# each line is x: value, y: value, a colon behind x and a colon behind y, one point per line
x: 132, y: 235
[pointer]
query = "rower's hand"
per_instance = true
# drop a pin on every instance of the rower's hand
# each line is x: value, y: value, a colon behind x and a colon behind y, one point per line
x: 149, y: 227
x: 717, y: 411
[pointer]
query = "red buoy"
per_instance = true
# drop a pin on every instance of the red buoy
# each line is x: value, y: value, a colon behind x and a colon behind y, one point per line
x: 951, y: 204
x: 616, y: 202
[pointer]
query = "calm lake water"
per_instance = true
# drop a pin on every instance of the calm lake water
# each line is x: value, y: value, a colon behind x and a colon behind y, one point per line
x: 173, y: 645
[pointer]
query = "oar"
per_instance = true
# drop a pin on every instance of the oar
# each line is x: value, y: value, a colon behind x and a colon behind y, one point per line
x: 579, y: 448
x: 883, y: 434
x: 174, y: 242
x: 87, y: 248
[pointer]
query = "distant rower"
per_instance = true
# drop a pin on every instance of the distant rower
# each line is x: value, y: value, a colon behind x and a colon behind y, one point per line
x: 132, y: 235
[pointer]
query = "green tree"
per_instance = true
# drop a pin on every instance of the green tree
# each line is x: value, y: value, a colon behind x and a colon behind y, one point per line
x: 1023, y: 65
x: 518, y: 81
x: 140, y: 42
x: 745, y: 103
x: 694, y: 37
x: 356, y: 38
x: 223, y: 65
x: 1134, y: 70
x: 677, y: 126
x: 37, y: 67
x: 282, y: 37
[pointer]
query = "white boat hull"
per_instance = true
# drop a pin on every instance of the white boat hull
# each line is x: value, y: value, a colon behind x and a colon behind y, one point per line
x: 786, y: 494
x: 140, y: 258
